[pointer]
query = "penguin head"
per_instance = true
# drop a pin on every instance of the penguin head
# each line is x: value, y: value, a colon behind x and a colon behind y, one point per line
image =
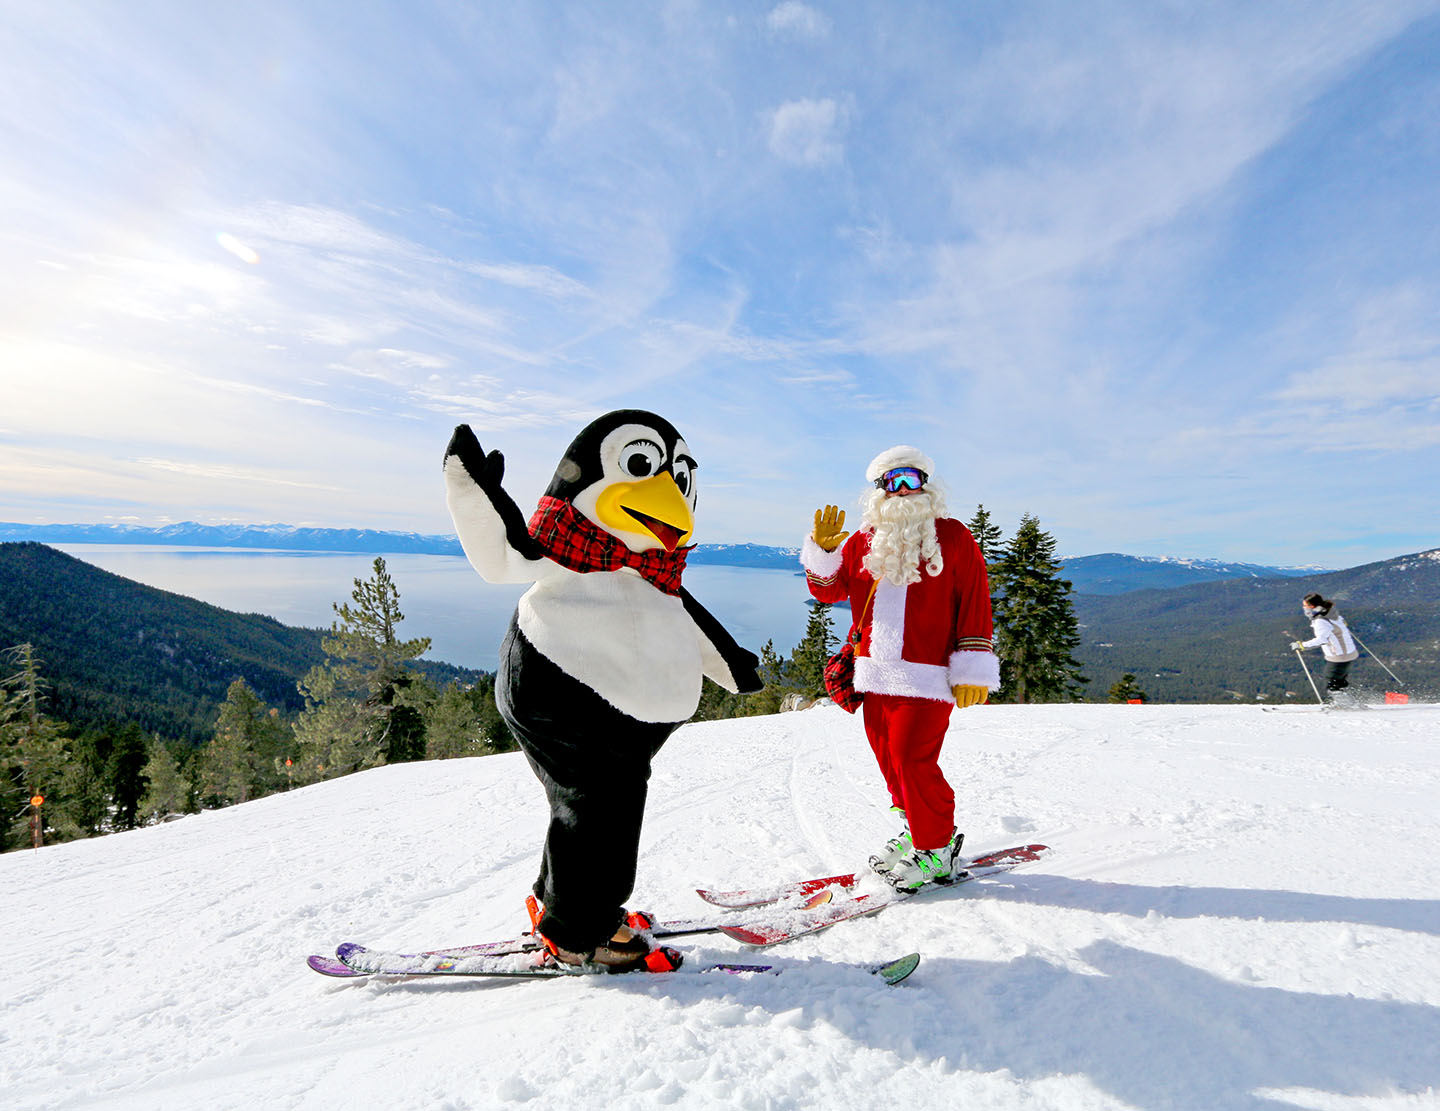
x: 630, y: 473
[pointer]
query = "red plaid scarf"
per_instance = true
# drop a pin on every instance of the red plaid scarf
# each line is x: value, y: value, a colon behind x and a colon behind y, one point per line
x: 579, y: 544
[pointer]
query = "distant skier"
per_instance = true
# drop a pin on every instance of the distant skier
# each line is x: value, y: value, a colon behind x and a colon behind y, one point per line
x: 916, y: 580
x: 1333, y: 638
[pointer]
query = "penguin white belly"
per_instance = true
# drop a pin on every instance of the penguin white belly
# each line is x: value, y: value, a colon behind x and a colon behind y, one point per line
x: 633, y: 645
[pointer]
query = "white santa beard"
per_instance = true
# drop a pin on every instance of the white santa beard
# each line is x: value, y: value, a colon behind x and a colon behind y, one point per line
x: 903, y: 534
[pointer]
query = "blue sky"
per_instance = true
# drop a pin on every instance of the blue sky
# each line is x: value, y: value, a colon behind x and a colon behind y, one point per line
x: 1166, y: 276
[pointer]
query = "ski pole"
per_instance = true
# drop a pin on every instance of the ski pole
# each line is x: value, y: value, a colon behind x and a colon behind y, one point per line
x: 1306, y: 666
x: 1377, y: 659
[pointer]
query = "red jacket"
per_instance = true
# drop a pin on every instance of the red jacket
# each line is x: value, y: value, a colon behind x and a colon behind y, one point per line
x: 917, y: 640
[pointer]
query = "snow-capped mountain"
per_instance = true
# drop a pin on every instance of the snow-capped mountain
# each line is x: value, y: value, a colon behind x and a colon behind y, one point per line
x: 1114, y: 573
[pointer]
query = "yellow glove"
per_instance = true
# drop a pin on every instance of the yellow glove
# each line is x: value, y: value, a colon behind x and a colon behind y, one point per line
x: 970, y: 696
x: 829, y: 528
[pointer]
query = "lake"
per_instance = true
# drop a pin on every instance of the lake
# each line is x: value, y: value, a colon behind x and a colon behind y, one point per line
x: 441, y: 596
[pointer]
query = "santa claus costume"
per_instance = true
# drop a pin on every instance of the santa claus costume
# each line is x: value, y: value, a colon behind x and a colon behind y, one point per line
x: 925, y: 644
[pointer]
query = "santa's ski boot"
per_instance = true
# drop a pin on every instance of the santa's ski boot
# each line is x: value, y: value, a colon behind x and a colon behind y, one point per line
x: 924, y: 866
x: 895, y: 850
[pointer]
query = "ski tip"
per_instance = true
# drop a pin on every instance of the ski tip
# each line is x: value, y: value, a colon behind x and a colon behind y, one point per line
x: 1019, y: 853
x: 898, y: 970
x: 347, y: 949
x: 745, y: 935
x: 329, y: 966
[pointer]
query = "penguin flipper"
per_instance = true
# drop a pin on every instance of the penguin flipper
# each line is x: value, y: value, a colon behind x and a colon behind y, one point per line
x: 733, y: 667
x: 491, y: 528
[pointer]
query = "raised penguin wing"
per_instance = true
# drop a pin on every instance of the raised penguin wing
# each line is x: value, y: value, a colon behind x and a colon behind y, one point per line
x: 490, y: 526
x: 733, y: 667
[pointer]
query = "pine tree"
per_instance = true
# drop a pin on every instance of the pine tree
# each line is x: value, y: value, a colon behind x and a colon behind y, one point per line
x: 34, y: 746
x: 452, y: 726
x: 167, y: 787
x: 1036, y: 632
x: 807, y: 661
x: 125, y: 775
x: 237, y: 763
x: 87, y: 788
x: 363, y: 705
x: 772, y: 671
x: 335, y: 733
x: 1126, y: 689
x: 988, y: 536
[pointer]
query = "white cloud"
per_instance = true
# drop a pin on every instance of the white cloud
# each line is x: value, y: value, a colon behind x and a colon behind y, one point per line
x: 798, y: 20
x: 808, y: 132
x: 230, y: 473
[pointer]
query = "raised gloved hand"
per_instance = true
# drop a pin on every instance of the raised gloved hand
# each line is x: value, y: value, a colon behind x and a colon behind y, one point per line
x: 1297, y: 645
x: 487, y: 471
x: 970, y: 696
x: 829, y: 528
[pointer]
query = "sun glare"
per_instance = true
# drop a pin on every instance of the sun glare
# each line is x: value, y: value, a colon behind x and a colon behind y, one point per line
x: 236, y: 248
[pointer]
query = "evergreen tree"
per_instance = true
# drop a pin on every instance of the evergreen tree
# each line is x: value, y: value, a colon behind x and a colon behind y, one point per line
x: 1036, y: 632
x: 493, y: 730
x: 35, y: 747
x: 808, y: 660
x: 167, y: 788
x: 125, y: 775
x: 238, y: 762
x: 772, y: 672
x: 363, y: 706
x: 1126, y: 689
x: 988, y: 535
x: 335, y: 733
x: 452, y: 726
x: 87, y: 787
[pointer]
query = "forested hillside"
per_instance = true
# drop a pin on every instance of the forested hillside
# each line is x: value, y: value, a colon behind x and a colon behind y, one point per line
x: 112, y: 650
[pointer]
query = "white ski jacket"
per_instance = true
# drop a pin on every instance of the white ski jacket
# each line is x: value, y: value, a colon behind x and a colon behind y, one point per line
x: 1332, y: 637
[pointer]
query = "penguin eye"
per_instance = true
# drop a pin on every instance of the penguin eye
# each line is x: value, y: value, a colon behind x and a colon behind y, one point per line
x: 683, y: 478
x: 641, y: 458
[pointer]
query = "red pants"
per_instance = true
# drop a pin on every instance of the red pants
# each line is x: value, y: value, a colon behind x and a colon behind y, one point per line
x: 905, y: 735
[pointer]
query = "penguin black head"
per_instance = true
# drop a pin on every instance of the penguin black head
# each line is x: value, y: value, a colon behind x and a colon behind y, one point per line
x: 630, y: 473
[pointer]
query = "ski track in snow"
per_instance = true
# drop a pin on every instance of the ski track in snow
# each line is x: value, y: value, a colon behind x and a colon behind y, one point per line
x: 1242, y: 912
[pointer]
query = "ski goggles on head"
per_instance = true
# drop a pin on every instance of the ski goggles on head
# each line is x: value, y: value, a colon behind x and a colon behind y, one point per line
x: 907, y: 478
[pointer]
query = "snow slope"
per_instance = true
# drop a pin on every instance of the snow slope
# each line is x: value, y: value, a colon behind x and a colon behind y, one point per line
x: 1243, y: 911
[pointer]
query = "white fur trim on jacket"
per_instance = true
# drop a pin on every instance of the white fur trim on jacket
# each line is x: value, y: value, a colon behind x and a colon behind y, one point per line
x: 975, y: 669
x: 818, y: 563
x: 902, y: 678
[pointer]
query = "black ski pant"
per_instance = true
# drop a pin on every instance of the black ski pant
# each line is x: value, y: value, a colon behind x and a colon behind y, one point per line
x: 594, y: 763
x: 1336, y: 672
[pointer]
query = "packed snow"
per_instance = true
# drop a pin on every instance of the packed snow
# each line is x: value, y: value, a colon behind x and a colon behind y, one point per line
x: 1242, y: 910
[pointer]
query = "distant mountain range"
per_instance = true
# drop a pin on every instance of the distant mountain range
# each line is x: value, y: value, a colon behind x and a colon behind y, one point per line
x: 289, y: 538
x: 1110, y: 573
x: 1113, y: 573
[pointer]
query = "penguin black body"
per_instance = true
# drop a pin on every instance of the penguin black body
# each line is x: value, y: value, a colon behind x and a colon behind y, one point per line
x: 605, y: 654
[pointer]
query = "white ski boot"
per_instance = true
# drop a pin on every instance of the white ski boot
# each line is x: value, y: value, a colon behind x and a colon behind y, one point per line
x: 924, y: 866
x: 896, y: 849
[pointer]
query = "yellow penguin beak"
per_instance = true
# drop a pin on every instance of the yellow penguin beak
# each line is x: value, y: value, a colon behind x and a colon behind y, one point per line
x: 655, y: 504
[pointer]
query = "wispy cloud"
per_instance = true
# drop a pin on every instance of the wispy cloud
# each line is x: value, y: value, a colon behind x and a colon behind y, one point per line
x: 808, y: 132
x: 797, y: 19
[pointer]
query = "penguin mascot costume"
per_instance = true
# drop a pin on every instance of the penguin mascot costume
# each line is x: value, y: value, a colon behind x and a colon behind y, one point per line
x: 603, y: 658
